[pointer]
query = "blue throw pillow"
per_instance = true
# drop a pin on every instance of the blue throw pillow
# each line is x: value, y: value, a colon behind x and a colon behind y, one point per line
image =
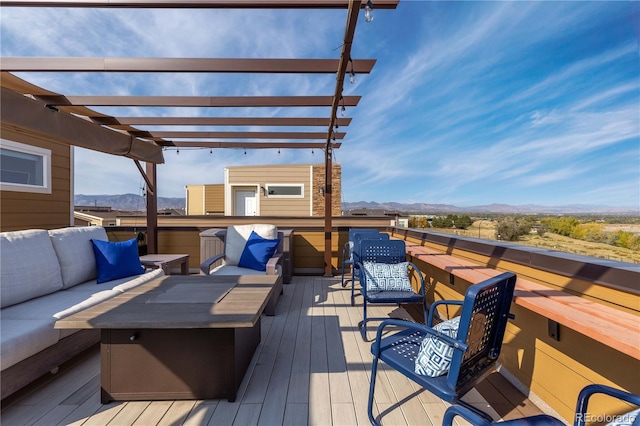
x: 116, y: 259
x: 257, y: 252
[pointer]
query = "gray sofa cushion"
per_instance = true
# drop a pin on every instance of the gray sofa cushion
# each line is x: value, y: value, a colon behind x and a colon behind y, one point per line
x: 28, y: 266
x: 75, y: 252
x: 20, y: 339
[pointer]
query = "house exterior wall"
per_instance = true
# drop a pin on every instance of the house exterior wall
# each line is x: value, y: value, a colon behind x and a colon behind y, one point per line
x: 310, y: 176
x: 207, y: 199
x: 28, y: 210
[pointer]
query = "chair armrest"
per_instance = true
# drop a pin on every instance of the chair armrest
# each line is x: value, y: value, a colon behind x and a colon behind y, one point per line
x: 434, y: 305
x: 588, y: 391
x: 205, y: 266
x: 273, y: 263
x: 375, y: 346
x: 419, y: 273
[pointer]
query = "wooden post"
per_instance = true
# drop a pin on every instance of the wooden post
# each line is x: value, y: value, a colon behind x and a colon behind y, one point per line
x: 152, y: 209
x: 328, y: 169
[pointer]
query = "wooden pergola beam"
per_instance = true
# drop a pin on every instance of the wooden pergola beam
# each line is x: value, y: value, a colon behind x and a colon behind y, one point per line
x: 197, y: 101
x: 195, y: 65
x: 221, y: 121
x: 253, y: 145
x: 200, y: 4
x: 244, y: 135
x: 33, y: 117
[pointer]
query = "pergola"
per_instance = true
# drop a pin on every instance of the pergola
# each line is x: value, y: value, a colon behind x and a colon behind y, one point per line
x: 70, y: 119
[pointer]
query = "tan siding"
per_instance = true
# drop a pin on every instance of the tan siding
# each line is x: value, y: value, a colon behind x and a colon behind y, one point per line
x: 25, y: 210
x: 214, y: 199
x: 195, y: 199
x: 276, y: 174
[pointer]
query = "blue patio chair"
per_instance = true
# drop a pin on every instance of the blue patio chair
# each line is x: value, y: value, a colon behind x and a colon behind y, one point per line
x: 580, y: 418
x: 385, y: 277
x: 347, y: 249
x: 358, y: 238
x: 450, y: 358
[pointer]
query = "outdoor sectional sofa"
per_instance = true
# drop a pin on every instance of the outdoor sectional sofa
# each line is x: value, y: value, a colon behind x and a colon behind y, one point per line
x: 45, y: 276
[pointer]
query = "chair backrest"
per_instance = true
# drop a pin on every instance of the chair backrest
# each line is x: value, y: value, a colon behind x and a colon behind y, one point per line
x: 354, y: 231
x: 237, y: 236
x: 483, y: 321
x: 382, y: 250
x: 358, y: 238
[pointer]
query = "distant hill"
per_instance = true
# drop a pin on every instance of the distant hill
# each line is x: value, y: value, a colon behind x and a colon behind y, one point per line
x: 489, y: 208
x: 128, y: 202
x: 133, y: 202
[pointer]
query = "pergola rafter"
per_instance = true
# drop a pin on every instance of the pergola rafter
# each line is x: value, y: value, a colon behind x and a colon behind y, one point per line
x: 201, y: 4
x: 193, y: 65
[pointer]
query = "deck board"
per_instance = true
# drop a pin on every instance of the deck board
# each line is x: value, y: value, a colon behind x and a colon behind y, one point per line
x: 311, y: 367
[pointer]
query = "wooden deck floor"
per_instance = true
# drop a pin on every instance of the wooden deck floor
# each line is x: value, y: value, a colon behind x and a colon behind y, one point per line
x: 311, y: 367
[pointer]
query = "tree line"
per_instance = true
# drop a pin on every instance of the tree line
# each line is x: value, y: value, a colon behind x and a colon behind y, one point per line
x: 513, y: 228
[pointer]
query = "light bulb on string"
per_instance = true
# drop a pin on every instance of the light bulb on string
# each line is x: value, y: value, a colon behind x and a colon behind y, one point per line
x: 368, y: 16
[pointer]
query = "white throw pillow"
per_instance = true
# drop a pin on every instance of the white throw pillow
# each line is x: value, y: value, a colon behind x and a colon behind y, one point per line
x: 434, y: 357
x: 387, y: 276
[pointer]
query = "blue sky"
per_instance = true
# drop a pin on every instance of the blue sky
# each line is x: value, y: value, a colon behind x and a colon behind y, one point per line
x: 469, y: 103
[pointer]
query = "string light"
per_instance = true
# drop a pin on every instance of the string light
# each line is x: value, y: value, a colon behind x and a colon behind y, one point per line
x: 245, y: 152
x: 278, y: 151
x: 312, y: 153
x: 343, y: 110
x: 178, y: 151
x: 368, y: 16
x: 352, y: 73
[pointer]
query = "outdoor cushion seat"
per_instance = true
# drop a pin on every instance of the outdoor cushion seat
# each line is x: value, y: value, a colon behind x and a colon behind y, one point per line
x: 23, y: 338
x: 235, y: 244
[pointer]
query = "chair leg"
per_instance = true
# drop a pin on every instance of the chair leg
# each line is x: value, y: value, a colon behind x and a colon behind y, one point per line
x: 343, y: 282
x: 363, y: 324
x: 353, y: 292
x: 372, y: 388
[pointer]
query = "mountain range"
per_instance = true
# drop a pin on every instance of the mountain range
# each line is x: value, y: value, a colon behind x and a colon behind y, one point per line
x: 491, y: 208
x: 126, y: 202
x: 133, y: 202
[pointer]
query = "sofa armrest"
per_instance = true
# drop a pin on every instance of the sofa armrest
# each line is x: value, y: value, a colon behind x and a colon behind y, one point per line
x: 205, y: 266
x: 273, y: 263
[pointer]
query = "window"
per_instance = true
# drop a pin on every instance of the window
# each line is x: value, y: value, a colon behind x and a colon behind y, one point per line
x: 24, y: 168
x: 285, y: 191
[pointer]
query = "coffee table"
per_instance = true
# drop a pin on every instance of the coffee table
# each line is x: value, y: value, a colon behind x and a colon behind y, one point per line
x: 166, y: 262
x: 178, y: 337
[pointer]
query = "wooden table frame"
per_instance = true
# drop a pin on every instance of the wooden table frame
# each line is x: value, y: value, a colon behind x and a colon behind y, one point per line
x: 178, y: 350
x: 166, y: 262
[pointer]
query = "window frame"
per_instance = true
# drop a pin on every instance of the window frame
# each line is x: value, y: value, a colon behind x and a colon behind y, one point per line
x: 288, y: 185
x: 45, y: 188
